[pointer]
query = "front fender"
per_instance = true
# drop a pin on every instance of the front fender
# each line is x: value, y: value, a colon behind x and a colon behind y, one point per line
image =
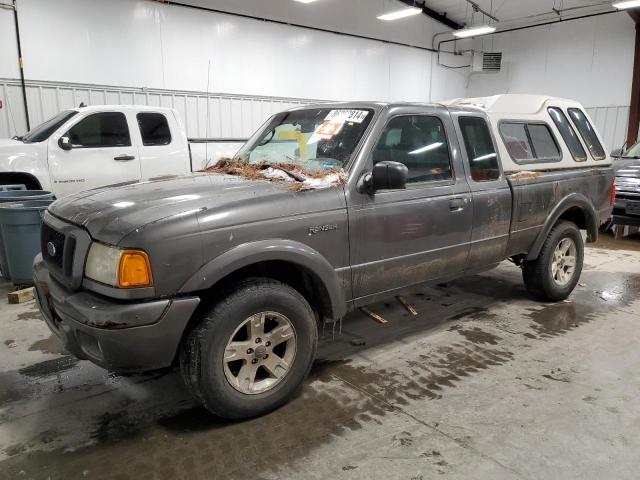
x: 573, y: 200
x: 27, y: 159
x: 265, y: 250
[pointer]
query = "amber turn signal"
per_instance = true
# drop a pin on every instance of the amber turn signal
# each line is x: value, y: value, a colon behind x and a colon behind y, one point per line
x: 134, y: 270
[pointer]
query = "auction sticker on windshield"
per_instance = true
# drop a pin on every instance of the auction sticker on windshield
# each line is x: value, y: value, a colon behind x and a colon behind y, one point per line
x: 334, y: 121
x: 355, y: 116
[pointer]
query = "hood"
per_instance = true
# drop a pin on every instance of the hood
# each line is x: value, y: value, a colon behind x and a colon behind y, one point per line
x: 627, y: 175
x: 5, y: 142
x: 16, y: 156
x: 111, y: 213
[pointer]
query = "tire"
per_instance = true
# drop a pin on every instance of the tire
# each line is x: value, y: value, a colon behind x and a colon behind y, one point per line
x: 539, y: 275
x: 218, y: 382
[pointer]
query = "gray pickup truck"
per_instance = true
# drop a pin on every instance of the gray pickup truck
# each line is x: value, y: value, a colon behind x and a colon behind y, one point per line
x: 626, y: 210
x: 229, y: 272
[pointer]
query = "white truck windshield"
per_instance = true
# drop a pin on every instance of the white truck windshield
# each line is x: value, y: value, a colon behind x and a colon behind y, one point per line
x: 44, y: 130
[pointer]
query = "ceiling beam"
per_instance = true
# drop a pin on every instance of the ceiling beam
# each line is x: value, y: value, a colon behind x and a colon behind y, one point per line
x: 439, y: 17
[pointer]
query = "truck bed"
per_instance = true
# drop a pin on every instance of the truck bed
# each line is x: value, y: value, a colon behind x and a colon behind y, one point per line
x: 536, y: 194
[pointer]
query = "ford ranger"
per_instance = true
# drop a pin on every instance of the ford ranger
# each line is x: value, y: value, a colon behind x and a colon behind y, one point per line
x: 229, y: 272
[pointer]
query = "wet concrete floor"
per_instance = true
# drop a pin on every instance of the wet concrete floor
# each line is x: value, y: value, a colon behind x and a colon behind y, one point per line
x: 483, y: 383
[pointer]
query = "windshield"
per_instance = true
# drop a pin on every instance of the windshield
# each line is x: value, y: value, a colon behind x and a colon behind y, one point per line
x: 44, y: 130
x: 314, y: 139
x: 633, y: 152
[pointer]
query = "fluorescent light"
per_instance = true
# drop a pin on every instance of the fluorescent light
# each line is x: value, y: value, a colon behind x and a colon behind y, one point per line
x: 405, y: 12
x: 627, y: 4
x: 426, y: 148
x: 484, y: 157
x: 474, y: 31
x: 304, y: 1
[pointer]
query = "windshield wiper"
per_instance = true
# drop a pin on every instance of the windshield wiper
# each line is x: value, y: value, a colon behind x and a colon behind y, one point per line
x: 293, y: 175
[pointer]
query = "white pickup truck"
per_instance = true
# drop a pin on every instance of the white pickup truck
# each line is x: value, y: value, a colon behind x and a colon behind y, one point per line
x: 89, y: 147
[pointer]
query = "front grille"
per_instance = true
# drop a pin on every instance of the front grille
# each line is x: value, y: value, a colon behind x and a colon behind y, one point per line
x: 628, y: 184
x: 56, y: 239
x: 64, y: 248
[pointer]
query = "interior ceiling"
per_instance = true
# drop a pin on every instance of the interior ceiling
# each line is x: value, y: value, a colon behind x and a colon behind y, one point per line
x: 517, y: 11
x: 357, y: 17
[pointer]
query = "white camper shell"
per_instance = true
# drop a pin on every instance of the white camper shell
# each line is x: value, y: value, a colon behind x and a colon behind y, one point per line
x: 536, y: 132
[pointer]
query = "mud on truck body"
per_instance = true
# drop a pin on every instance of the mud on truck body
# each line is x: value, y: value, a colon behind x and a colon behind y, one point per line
x: 230, y: 274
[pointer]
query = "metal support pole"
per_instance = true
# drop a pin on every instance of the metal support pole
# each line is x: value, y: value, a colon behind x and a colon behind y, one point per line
x: 21, y: 64
x: 634, y: 108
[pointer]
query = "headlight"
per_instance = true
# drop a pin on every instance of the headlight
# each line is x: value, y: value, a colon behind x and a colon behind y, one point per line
x: 117, y: 267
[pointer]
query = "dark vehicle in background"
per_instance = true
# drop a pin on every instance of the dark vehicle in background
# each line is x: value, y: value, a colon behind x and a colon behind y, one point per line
x: 230, y: 273
x: 626, y: 165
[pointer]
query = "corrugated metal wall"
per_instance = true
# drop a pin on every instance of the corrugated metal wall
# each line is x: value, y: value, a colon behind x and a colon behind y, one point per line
x: 612, y: 123
x: 230, y: 116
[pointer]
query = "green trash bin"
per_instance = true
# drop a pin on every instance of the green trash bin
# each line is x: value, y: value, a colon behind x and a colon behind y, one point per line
x: 15, y: 196
x: 20, y: 227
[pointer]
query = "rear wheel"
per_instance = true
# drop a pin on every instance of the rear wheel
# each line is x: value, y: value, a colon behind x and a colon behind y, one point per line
x: 556, y: 271
x: 251, y: 351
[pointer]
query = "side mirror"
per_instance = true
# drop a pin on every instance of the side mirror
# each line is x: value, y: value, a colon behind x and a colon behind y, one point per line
x: 65, y: 143
x: 385, y: 176
x: 617, y: 153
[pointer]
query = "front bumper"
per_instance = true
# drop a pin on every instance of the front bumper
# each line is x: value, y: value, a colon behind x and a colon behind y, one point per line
x: 621, y: 214
x: 120, y: 336
x: 619, y: 218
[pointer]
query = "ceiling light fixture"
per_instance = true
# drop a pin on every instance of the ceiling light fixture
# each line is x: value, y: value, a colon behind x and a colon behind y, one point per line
x: 426, y: 148
x: 624, y: 5
x: 405, y: 12
x: 474, y: 31
x: 304, y: 1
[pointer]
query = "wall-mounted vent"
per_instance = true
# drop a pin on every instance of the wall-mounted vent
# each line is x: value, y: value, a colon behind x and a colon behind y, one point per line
x: 487, y: 62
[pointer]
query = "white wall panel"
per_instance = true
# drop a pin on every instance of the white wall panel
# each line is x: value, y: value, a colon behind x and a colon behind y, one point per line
x: 587, y: 60
x: 147, y: 44
x: 8, y: 46
x: 114, y: 42
x: 349, y: 16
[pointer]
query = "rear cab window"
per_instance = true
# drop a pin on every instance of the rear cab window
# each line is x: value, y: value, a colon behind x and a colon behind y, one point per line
x: 154, y: 129
x: 588, y: 134
x: 530, y: 142
x: 481, y: 152
x: 568, y: 134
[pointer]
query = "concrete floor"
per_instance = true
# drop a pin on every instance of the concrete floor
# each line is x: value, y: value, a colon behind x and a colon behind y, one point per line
x: 484, y: 383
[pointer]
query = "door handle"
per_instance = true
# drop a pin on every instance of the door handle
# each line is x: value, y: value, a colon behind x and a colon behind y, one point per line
x: 457, y: 204
x: 124, y: 158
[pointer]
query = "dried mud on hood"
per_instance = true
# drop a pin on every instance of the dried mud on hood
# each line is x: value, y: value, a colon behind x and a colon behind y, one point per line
x: 298, y: 179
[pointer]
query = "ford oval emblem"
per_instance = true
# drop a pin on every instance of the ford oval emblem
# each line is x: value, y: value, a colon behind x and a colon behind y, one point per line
x: 51, y: 249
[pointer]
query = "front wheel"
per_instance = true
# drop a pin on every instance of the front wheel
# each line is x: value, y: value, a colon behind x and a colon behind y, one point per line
x: 251, y: 351
x: 556, y: 271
